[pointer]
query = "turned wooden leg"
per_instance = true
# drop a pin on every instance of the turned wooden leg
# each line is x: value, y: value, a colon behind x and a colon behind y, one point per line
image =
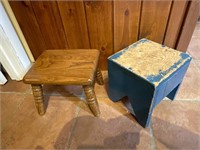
x: 91, y: 99
x: 39, y: 100
x: 99, y: 77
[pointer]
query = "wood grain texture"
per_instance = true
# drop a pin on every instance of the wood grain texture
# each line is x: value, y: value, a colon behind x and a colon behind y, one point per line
x: 39, y: 99
x: 188, y: 26
x: 126, y: 23
x: 154, y: 20
x: 99, y: 77
x: 175, y: 22
x: 26, y: 18
x: 74, y: 22
x: 100, y: 27
x: 91, y: 99
x: 61, y: 67
x: 49, y: 20
x: 104, y: 25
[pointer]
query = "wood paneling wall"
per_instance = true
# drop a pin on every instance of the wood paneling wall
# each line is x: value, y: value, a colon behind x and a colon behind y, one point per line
x: 154, y: 19
x: 108, y: 26
x: 126, y: 23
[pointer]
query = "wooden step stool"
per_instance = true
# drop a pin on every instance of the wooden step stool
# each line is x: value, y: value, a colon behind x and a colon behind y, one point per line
x: 146, y: 72
x: 65, y: 67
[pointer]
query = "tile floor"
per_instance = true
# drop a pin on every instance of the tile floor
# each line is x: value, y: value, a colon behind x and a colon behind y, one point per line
x: 69, y: 124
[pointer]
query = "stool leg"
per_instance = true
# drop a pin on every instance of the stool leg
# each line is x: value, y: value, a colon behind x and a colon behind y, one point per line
x: 91, y: 99
x: 39, y: 100
x: 99, y: 77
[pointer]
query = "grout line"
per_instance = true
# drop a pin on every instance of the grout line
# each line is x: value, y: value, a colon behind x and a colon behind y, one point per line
x: 195, y: 36
x: 188, y: 100
x: 73, y: 127
x: 183, y: 100
x: 21, y: 93
x: 153, y: 143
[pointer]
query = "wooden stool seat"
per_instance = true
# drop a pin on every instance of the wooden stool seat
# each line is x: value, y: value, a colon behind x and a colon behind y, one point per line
x: 65, y: 67
x: 146, y: 72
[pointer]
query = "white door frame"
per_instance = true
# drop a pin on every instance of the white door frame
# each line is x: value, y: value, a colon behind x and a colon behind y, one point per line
x: 12, y: 54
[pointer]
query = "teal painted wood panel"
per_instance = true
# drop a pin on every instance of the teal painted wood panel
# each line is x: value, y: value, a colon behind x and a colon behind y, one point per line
x: 144, y: 92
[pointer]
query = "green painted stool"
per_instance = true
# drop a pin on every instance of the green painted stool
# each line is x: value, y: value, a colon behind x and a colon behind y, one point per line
x: 146, y: 72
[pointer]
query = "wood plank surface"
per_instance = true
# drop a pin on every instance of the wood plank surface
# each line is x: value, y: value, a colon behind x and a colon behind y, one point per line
x: 126, y: 23
x: 108, y: 26
x: 100, y: 26
x: 76, y: 67
x: 175, y: 22
x: 74, y: 22
x: 26, y: 18
x: 154, y: 19
x: 49, y: 20
x: 188, y: 26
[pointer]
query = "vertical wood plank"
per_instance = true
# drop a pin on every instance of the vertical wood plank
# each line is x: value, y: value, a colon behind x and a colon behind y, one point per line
x: 175, y: 22
x: 154, y: 20
x: 49, y: 20
x: 126, y: 23
x: 26, y: 18
x: 100, y: 27
x: 74, y: 21
x: 188, y: 26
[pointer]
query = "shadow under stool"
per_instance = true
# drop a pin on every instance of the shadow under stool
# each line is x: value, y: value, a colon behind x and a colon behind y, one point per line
x: 66, y: 67
x: 146, y: 72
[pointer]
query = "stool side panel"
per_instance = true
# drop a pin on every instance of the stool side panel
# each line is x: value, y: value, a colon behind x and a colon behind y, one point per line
x: 139, y: 91
x: 168, y: 85
x: 120, y: 78
x: 141, y: 99
x: 175, y: 79
x: 116, y: 82
x: 59, y: 82
x: 144, y: 87
x: 130, y: 72
x: 174, y: 68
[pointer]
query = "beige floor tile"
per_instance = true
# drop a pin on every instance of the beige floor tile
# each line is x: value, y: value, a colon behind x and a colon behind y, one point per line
x: 190, y: 87
x: 114, y: 129
x: 194, y: 48
x: 176, y: 125
x: 196, y: 30
x: 10, y: 104
x: 15, y: 86
x: 28, y: 130
x: 102, y: 90
x: 197, y: 63
x: 63, y: 90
